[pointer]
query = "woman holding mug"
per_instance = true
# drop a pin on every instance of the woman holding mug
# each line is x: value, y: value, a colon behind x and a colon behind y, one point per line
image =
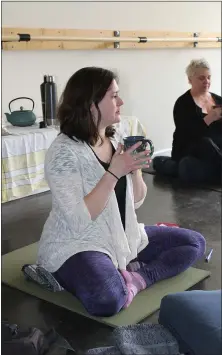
x: 91, y: 241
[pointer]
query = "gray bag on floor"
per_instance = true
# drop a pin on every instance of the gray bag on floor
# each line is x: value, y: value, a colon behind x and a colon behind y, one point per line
x: 142, y: 339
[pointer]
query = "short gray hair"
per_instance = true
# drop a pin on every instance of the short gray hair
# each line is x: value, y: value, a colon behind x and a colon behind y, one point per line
x: 196, y: 64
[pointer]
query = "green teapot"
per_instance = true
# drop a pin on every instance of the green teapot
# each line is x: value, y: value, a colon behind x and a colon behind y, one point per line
x: 23, y: 117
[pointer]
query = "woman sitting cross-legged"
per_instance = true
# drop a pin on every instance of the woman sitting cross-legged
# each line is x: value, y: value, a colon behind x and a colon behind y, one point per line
x: 91, y: 241
x: 197, y: 140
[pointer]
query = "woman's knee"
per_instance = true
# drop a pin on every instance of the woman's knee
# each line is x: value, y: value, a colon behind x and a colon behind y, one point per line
x: 196, y: 241
x: 106, y: 304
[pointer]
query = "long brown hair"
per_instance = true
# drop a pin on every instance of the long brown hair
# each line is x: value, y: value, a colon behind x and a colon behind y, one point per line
x: 88, y: 85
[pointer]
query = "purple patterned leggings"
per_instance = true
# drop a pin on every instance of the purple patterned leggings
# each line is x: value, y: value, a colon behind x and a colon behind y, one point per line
x: 93, y: 279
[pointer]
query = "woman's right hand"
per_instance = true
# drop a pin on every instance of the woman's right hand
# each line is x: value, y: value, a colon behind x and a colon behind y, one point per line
x: 214, y: 114
x: 124, y: 163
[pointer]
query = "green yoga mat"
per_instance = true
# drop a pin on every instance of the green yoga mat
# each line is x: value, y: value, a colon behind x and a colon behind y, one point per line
x: 145, y: 303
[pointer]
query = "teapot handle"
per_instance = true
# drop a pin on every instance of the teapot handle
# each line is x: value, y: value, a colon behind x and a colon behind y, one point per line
x: 28, y: 98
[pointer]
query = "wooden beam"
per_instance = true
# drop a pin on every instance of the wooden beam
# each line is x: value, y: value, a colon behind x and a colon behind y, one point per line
x: 73, y: 45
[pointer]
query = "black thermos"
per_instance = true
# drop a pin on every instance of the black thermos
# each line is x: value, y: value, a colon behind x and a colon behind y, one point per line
x: 42, y: 90
x: 49, y: 100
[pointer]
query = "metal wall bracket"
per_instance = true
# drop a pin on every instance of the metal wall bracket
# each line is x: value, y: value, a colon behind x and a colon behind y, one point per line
x: 24, y: 37
x: 195, y: 43
x: 142, y: 39
x: 116, y: 34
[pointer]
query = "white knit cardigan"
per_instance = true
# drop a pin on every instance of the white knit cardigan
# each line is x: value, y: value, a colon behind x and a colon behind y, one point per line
x: 72, y: 171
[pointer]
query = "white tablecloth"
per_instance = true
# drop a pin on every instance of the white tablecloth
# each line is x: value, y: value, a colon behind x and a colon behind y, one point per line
x: 23, y: 155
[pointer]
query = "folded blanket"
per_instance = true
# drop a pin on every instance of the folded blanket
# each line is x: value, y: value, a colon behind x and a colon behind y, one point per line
x: 42, y: 277
x: 141, y: 339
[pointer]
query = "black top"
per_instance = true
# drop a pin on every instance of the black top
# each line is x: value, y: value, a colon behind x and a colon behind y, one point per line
x: 190, y: 126
x: 120, y: 191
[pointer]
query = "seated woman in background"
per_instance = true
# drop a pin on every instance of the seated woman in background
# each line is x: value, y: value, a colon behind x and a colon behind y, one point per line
x: 197, y: 140
x: 91, y: 241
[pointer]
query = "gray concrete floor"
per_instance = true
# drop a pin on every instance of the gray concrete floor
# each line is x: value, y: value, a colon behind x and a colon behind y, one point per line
x: 22, y: 222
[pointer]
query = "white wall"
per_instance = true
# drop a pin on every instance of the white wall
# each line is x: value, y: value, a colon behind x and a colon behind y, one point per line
x: 150, y: 80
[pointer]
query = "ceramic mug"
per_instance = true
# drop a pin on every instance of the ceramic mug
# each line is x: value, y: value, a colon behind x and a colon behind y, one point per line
x: 131, y: 140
